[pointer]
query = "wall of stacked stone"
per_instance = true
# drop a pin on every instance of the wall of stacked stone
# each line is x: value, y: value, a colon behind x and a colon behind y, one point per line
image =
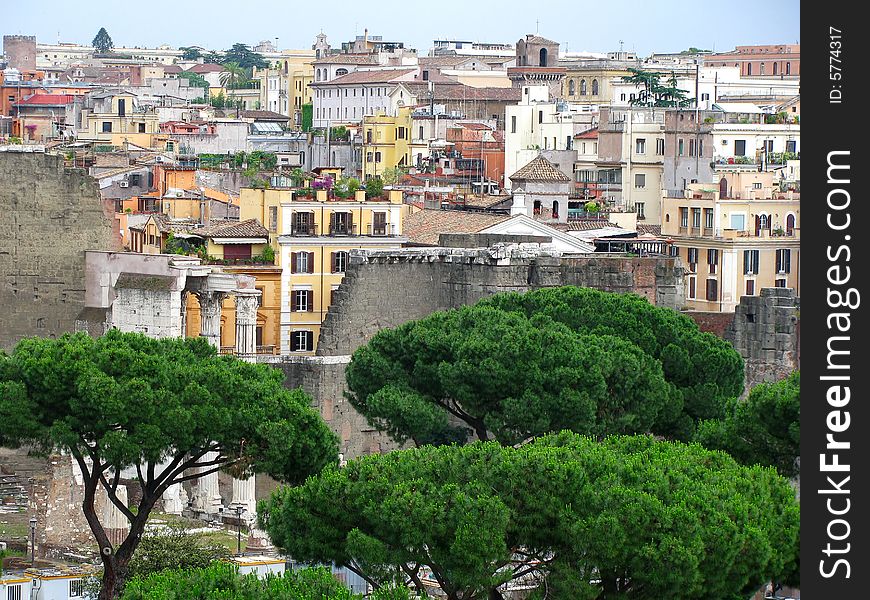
x: 51, y: 215
x: 765, y: 331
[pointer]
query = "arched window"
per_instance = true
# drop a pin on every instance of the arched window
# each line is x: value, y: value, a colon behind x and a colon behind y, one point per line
x: 317, y: 75
x: 776, y: 68
x: 555, y: 209
x: 789, y: 224
x: 340, y: 72
x: 543, y: 57
x: 723, y: 188
x: 536, y: 207
x: 788, y: 68
x: 571, y: 87
x: 582, y: 87
x: 594, y: 87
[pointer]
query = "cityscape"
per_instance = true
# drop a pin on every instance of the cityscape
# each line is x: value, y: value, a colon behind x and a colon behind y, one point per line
x: 490, y: 320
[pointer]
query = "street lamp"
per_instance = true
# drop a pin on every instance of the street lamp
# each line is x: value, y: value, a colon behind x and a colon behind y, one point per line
x: 32, y: 540
x: 239, y: 510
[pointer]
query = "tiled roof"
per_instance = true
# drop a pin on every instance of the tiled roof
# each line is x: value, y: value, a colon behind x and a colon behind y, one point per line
x: 375, y: 76
x: 48, y: 100
x: 250, y: 228
x: 649, y: 229
x: 207, y: 68
x: 358, y: 58
x: 459, y: 91
x: 589, y: 134
x: 588, y: 224
x: 423, y: 226
x: 540, y: 169
x: 536, y: 39
x: 263, y: 115
x: 168, y: 69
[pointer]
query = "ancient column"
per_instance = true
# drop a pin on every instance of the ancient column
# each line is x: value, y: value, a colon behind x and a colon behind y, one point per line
x: 174, y: 499
x: 244, y: 496
x: 246, y: 323
x: 207, y: 497
x: 210, y: 316
x: 114, y: 521
x: 184, y: 297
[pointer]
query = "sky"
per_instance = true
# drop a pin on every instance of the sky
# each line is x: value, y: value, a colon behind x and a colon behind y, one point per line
x: 600, y: 26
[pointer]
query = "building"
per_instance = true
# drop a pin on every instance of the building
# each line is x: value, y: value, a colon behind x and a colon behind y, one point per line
x: 537, y: 64
x: 780, y: 60
x: 385, y: 143
x: 314, y: 246
x: 113, y: 118
x: 589, y: 80
x: 540, y: 190
x: 734, y: 238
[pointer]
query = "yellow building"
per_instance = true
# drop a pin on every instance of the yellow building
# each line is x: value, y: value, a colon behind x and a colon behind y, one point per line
x: 589, y: 81
x: 736, y: 242
x: 115, y: 118
x: 284, y: 86
x: 314, y: 239
x: 386, y: 142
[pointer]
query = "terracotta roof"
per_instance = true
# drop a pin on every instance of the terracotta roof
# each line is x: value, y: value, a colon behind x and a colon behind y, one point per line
x: 172, y: 69
x: 423, y: 226
x: 375, y: 76
x: 263, y: 115
x: 540, y: 169
x: 48, y: 100
x: 486, y: 201
x: 649, y: 229
x: 250, y: 228
x: 589, y: 224
x: 589, y: 134
x: 536, y: 39
x: 206, y: 68
x: 459, y: 91
x: 357, y: 58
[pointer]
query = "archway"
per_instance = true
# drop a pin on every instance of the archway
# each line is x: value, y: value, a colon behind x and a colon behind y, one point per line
x: 543, y: 57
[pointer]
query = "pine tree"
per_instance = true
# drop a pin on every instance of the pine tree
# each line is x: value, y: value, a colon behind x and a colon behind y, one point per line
x: 103, y: 41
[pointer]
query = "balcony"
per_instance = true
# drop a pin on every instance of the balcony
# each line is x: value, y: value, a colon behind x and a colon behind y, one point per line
x: 342, y: 229
x: 304, y: 230
x: 266, y: 350
x: 382, y: 230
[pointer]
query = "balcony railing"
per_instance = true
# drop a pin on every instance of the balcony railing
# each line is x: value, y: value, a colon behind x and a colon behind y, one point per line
x: 384, y: 230
x: 231, y: 350
x: 251, y: 261
x: 341, y: 229
x: 304, y: 230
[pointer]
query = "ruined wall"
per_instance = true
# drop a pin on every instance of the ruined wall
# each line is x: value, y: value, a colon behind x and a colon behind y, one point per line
x: 765, y: 332
x: 387, y: 288
x: 50, y: 216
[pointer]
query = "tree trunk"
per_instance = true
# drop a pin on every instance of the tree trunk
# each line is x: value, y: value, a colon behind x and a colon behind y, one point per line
x: 494, y: 594
x: 114, y: 577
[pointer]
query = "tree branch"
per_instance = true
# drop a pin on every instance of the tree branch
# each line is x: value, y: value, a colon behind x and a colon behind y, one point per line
x: 112, y: 496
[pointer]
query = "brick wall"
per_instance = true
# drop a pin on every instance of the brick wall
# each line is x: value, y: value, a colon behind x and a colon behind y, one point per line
x: 48, y: 217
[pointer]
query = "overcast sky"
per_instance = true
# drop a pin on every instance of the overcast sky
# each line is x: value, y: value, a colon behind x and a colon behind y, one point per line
x: 643, y: 27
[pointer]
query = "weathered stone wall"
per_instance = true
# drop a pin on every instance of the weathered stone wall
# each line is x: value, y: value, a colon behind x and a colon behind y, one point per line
x: 50, y: 216
x: 765, y: 332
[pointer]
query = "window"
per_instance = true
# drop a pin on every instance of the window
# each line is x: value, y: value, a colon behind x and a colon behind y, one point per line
x: 739, y: 147
x: 141, y: 127
x: 540, y: 116
x: 749, y: 68
x: 302, y: 301
x: 712, y: 290
x: 691, y: 147
x: 640, y: 180
x: 377, y: 157
x: 571, y: 87
x: 640, y: 146
x: 302, y: 262
x: 684, y: 217
x: 750, y: 262
x: 692, y: 291
x: 370, y: 156
x: 302, y: 341
x: 340, y: 223
x: 660, y: 147
x: 582, y: 87
x: 791, y: 146
x: 680, y: 147
x: 788, y: 68
x: 594, y: 87
x: 780, y: 282
x: 738, y: 222
x: 776, y: 68
x: 76, y: 588
x: 339, y: 261
x: 107, y: 127
x: 303, y: 222
x: 783, y: 261
x: 379, y: 223
x: 700, y: 147
x: 640, y: 210
x: 692, y: 257
x: 13, y: 592
x: 696, y: 218
x: 273, y: 218
x: 712, y: 259
x: 750, y: 287
x: 762, y: 69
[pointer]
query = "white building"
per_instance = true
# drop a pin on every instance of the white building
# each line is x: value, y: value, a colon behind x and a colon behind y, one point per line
x: 536, y: 123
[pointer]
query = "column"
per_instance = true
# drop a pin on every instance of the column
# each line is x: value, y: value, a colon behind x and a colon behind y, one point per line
x: 244, y: 495
x: 208, y: 498
x: 246, y: 323
x: 174, y: 499
x: 210, y: 316
x: 184, y: 297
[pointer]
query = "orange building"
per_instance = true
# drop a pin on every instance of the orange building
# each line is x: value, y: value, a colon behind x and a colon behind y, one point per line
x: 781, y: 60
x: 479, y: 142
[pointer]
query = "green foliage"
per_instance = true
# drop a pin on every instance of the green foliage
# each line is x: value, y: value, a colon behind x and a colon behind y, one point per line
x: 181, y: 246
x: 519, y: 365
x: 307, y: 117
x: 188, y: 53
x: 340, y: 133
x: 195, y: 79
x: 102, y: 42
x: 763, y: 429
x: 591, y: 207
x: 374, y: 187
x: 644, y: 518
x: 654, y: 92
x: 221, y: 581
x: 345, y: 187
x: 392, y: 175
x: 234, y: 76
x: 174, y: 548
x: 125, y: 399
x: 244, y: 57
x: 268, y: 255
